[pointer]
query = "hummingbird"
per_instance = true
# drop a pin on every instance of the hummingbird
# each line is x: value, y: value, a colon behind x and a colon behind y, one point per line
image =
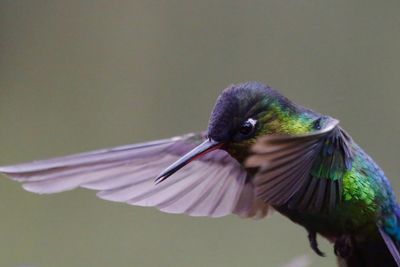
x: 260, y: 152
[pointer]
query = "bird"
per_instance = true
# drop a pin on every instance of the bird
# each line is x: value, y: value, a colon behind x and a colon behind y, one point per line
x: 260, y: 152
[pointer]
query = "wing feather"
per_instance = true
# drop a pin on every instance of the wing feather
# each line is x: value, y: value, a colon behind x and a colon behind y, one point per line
x: 210, y: 186
x: 302, y: 171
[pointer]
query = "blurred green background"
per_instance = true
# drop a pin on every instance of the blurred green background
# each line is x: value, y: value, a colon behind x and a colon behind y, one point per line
x: 81, y: 75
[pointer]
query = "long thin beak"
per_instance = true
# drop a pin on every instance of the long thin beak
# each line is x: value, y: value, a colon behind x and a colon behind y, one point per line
x: 197, y: 152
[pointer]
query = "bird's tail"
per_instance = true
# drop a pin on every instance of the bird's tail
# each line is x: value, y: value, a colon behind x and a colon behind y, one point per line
x: 372, y: 252
x: 382, y: 249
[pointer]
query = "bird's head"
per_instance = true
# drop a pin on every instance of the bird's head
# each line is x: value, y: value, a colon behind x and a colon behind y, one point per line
x: 243, y: 113
x: 249, y: 110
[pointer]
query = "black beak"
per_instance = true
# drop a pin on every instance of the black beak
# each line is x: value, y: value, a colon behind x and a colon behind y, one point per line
x: 197, y: 152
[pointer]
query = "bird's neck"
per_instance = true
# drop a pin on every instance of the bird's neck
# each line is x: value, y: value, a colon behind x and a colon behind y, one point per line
x: 287, y: 119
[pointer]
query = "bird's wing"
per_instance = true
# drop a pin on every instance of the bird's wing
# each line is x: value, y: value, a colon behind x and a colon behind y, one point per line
x: 303, y: 171
x: 214, y: 185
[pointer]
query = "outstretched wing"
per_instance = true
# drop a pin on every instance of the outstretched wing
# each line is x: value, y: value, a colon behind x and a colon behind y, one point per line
x: 304, y: 171
x: 214, y: 185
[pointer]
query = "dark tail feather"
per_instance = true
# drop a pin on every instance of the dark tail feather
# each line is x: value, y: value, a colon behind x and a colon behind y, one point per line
x: 392, y: 245
x: 375, y: 251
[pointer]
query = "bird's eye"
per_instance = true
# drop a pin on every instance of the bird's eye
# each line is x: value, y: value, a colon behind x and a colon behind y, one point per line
x: 248, y: 127
x: 318, y: 123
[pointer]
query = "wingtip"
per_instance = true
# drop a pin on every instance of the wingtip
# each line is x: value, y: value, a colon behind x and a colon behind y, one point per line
x: 18, y: 168
x: 28, y: 187
x: 7, y: 169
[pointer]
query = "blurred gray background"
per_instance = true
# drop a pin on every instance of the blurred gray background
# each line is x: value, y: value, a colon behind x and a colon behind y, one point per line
x: 81, y: 75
